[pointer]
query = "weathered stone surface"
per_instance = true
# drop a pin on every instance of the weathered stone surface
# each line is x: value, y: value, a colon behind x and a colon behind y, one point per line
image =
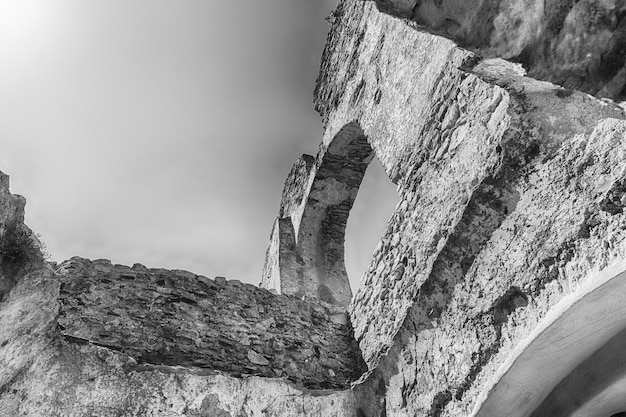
x: 576, y: 44
x: 83, y: 380
x: 28, y: 290
x: 512, y: 195
x: 498, y: 175
x: 474, y: 308
x: 572, y: 362
x: 177, y: 318
x: 305, y: 257
x: 440, y: 132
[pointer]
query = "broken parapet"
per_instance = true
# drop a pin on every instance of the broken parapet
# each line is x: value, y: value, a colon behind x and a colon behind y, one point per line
x: 177, y: 318
x: 108, y: 340
x: 305, y: 257
x: 138, y: 341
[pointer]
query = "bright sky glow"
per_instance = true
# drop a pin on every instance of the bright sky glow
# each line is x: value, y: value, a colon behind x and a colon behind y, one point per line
x: 159, y: 131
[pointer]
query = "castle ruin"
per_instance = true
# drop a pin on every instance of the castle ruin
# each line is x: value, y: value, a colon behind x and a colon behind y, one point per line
x: 496, y: 290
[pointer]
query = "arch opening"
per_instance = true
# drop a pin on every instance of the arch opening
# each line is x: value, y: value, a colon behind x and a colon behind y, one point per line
x: 375, y: 203
x: 306, y: 256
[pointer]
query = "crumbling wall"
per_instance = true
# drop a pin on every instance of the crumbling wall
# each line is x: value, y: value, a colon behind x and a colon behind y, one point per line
x: 109, y: 340
x: 28, y: 290
x: 576, y: 44
x: 177, y: 318
x: 510, y: 195
x: 305, y: 257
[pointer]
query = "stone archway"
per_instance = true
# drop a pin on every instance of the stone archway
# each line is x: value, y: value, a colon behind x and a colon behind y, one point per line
x: 574, y: 363
x: 305, y: 257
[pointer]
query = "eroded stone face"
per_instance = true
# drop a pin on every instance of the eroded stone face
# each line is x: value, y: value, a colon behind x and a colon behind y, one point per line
x: 576, y: 44
x: 28, y: 290
x: 176, y: 318
x: 84, y: 380
x: 305, y: 257
x: 499, y: 176
x: 512, y: 194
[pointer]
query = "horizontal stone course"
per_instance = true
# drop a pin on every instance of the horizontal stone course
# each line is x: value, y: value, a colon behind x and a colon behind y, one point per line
x: 177, y: 318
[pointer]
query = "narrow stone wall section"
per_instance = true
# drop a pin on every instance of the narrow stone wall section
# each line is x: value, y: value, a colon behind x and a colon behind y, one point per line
x: 28, y: 290
x: 305, y: 257
x: 281, y: 254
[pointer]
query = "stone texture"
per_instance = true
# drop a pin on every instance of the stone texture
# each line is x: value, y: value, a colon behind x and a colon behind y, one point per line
x: 576, y: 44
x: 473, y: 309
x: 177, y: 318
x: 28, y: 289
x: 498, y: 176
x: 439, y: 131
x: 305, y: 257
x: 512, y: 195
x: 84, y: 380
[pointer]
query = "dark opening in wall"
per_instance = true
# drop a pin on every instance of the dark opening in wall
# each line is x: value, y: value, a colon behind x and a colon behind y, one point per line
x: 374, y: 205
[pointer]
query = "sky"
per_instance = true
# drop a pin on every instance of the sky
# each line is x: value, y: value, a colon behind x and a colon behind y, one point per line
x: 161, y: 132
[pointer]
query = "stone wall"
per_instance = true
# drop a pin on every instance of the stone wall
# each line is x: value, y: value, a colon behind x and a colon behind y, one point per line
x: 305, y: 257
x: 177, y: 318
x: 84, y: 380
x: 576, y: 44
x: 512, y: 193
x: 96, y: 339
x: 510, y: 196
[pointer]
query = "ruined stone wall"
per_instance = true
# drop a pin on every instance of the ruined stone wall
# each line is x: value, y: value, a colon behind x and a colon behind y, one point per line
x: 510, y: 196
x: 96, y: 339
x: 512, y: 193
x: 576, y: 44
x: 84, y: 380
x: 305, y: 257
x: 177, y: 318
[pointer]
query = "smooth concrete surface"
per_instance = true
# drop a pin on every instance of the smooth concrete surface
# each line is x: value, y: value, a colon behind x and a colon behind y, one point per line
x: 575, y: 328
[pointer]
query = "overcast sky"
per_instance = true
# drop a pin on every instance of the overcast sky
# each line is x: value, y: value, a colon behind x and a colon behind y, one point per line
x: 161, y: 131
